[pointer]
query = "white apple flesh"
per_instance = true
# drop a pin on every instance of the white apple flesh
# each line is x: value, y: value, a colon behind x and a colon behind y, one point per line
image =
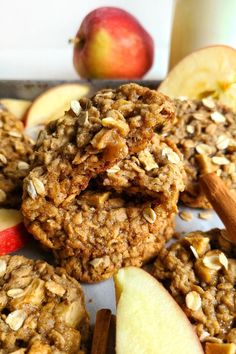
x: 149, y: 321
x: 17, y: 107
x: 210, y: 71
x: 53, y: 103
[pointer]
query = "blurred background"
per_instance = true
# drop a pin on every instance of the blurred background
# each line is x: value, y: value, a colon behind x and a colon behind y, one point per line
x: 34, y: 35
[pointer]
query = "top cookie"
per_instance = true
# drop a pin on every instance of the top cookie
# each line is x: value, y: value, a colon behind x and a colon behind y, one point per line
x: 205, y: 132
x: 15, y: 151
x: 75, y: 203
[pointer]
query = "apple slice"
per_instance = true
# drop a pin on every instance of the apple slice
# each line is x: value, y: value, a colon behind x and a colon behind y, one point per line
x: 13, y: 234
x: 52, y: 103
x: 17, y: 107
x: 207, y: 72
x: 149, y: 321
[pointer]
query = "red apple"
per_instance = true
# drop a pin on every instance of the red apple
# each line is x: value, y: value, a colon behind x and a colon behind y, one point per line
x: 13, y: 234
x: 112, y: 44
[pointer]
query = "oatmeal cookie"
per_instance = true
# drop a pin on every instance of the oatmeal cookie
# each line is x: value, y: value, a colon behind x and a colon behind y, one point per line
x: 103, y: 189
x: 42, y: 309
x: 205, y: 132
x: 15, y: 151
x: 200, y: 273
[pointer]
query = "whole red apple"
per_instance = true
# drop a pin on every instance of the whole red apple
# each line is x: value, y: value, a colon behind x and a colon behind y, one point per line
x: 112, y: 44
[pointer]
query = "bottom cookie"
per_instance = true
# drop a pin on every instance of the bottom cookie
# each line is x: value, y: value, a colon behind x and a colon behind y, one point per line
x: 42, y: 309
x: 118, y: 233
x: 200, y: 273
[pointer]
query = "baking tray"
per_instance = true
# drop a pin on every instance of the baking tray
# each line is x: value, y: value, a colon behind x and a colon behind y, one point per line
x: 30, y: 89
x: 100, y: 295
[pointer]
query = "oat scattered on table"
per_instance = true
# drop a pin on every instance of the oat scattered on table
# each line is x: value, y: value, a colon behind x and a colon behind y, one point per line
x: 204, y: 215
x: 186, y: 215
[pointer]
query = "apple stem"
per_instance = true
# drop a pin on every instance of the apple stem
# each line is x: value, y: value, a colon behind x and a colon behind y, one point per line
x: 75, y: 40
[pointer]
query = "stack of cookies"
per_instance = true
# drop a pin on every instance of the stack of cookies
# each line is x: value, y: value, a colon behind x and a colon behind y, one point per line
x: 103, y: 185
x: 100, y: 190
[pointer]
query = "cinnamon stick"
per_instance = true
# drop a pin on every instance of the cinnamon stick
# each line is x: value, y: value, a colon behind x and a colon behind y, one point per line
x: 112, y: 336
x: 101, y: 332
x: 222, y: 200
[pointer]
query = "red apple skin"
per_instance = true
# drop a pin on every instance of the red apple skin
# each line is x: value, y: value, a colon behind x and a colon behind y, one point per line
x: 13, y: 238
x: 112, y: 44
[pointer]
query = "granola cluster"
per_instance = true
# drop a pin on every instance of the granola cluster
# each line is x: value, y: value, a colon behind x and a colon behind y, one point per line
x: 205, y: 133
x: 200, y: 273
x: 42, y: 309
x: 15, y: 152
x: 103, y: 187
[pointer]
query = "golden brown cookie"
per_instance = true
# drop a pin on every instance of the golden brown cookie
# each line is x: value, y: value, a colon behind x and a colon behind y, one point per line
x: 15, y: 151
x: 103, y: 189
x: 200, y: 273
x: 42, y: 309
x: 205, y: 133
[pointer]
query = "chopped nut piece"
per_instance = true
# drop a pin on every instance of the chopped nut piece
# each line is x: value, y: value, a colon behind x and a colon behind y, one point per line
x: 186, y: 215
x: 208, y: 102
x: 22, y: 165
x: 204, y: 273
x: 3, y: 159
x: 55, y: 288
x: 3, y: 195
x: 39, y: 186
x: 76, y: 107
x: 211, y: 260
x: 217, y: 117
x: 193, y: 301
x: 147, y: 160
x: 201, y: 244
x: 204, y: 215
x: 3, y: 267
x: 16, y: 319
x: 150, y: 215
x: 171, y: 155
x: 222, y: 142
x: 113, y: 169
x: 96, y: 200
x: 220, y: 160
x: 118, y: 124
